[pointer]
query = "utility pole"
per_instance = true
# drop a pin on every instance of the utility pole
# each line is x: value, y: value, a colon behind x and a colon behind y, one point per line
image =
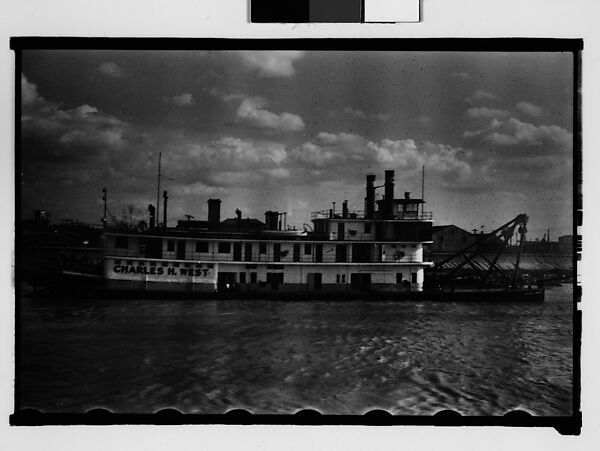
x: 165, y: 197
x: 158, y: 190
x: 104, y: 199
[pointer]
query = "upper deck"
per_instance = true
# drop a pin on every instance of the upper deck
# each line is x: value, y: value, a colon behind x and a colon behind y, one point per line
x: 359, y: 215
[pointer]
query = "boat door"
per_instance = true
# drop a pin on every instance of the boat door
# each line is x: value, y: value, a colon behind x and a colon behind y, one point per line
x: 180, y: 250
x: 314, y: 280
x: 237, y: 252
x: 360, y: 281
x: 248, y: 252
x: 276, y: 252
x: 274, y: 279
x: 296, y: 256
x: 341, y: 232
x: 226, y: 281
x: 319, y: 252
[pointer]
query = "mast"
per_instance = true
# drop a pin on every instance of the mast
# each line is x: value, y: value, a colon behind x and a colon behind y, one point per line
x: 158, y: 190
x: 423, y: 190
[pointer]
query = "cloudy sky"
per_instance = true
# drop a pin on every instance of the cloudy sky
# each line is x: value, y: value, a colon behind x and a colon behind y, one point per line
x: 295, y: 131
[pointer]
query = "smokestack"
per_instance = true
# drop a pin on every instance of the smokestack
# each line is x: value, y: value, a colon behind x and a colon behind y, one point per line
x: 370, y: 199
x: 388, y: 209
x: 407, y: 194
x: 345, y: 209
x: 152, y: 212
x: 238, y: 217
x: 271, y: 219
x: 214, y: 211
x: 165, y: 198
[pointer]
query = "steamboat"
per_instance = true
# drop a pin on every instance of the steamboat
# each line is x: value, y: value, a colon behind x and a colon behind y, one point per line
x: 374, y: 253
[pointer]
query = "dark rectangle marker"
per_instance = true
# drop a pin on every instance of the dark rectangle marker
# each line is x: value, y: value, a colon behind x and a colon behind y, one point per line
x: 341, y: 11
x: 279, y: 11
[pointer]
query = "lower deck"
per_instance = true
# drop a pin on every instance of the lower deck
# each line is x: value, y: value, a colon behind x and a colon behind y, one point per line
x: 202, y: 276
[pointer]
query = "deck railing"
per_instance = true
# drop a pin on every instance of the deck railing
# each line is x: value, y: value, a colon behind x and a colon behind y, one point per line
x: 405, y: 216
x: 256, y: 257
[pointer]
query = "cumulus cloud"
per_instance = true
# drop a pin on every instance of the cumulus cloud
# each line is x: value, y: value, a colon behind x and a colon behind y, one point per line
x: 251, y: 112
x: 272, y: 63
x: 70, y: 136
x: 227, y: 161
x: 83, y: 147
x: 366, y: 116
x: 514, y: 132
x: 339, y: 153
x: 225, y: 96
x: 183, y: 99
x: 29, y: 92
x: 529, y: 109
x: 480, y: 95
x: 486, y: 113
x: 110, y: 69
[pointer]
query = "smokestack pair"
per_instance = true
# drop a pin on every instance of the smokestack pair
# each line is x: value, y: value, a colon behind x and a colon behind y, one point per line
x: 388, y: 200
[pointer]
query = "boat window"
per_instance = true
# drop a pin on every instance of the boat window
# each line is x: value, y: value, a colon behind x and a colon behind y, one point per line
x: 201, y: 246
x: 121, y: 242
x: 399, y: 277
x: 262, y: 248
x: 414, y: 277
x: 337, y: 278
x: 224, y: 248
x: 307, y: 249
x: 343, y: 278
x: 170, y: 245
x: 367, y: 227
x: 242, y: 277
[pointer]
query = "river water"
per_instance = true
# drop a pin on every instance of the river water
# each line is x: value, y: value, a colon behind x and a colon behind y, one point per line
x: 410, y: 358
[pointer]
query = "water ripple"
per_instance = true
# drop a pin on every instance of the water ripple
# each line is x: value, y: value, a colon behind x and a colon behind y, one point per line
x: 281, y: 357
